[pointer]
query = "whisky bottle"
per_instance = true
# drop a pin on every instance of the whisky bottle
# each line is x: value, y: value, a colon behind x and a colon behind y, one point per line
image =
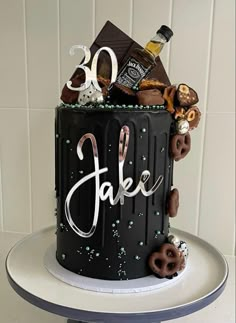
x: 141, y: 61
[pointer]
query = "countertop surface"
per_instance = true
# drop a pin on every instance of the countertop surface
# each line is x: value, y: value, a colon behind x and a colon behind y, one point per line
x: 16, y: 310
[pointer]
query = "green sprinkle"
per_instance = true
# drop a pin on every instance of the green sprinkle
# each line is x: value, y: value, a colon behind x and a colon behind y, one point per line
x: 109, y: 106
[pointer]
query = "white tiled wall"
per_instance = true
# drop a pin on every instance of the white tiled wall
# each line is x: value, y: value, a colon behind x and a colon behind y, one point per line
x: 35, y: 37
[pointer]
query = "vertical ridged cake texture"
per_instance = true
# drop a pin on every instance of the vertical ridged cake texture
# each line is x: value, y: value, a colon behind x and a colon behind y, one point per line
x: 125, y: 235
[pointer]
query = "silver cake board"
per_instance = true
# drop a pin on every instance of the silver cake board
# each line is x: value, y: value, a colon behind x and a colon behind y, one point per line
x: 144, y: 284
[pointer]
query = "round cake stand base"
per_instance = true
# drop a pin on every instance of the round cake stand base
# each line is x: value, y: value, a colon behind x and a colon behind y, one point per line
x: 203, y: 282
x: 72, y: 321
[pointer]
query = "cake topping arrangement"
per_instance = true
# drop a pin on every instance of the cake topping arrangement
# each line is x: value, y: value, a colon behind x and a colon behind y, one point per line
x: 118, y: 92
x: 128, y: 83
x: 119, y: 130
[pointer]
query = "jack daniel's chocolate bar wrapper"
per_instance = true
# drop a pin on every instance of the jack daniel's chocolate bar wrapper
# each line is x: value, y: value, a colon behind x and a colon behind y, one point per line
x: 111, y: 36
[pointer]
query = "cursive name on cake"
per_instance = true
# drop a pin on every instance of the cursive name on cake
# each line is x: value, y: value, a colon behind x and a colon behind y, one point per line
x: 104, y: 191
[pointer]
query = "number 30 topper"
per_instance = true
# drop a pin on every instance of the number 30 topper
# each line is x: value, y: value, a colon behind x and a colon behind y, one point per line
x: 91, y: 74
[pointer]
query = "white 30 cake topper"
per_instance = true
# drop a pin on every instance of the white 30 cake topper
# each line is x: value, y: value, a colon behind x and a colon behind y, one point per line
x: 91, y: 74
x: 100, y: 193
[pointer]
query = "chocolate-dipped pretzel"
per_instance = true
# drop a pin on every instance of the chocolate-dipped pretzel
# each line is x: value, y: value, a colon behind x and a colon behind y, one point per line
x: 169, y: 95
x: 104, y: 84
x: 173, y: 203
x: 166, y: 261
x: 180, y: 146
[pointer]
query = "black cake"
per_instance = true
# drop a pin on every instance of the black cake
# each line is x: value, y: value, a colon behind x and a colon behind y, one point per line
x: 125, y: 235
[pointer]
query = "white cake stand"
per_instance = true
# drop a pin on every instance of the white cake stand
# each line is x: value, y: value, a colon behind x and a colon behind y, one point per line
x: 202, y: 282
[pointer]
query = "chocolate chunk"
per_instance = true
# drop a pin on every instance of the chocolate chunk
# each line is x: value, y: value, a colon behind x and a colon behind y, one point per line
x: 150, y: 97
x: 186, y: 95
x: 147, y: 84
x: 70, y: 96
x: 120, y: 94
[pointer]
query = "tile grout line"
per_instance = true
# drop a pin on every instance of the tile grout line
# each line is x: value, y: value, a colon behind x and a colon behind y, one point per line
x: 58, y: 50
x: 203, y: 142
x: 169, y: 47
x: 131, y: 22
x: 16, y: 232
x: 94, y: 19
x: 1, y: 197
x: 28, y: 118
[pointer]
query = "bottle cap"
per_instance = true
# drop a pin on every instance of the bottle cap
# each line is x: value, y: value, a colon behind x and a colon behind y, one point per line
x: 166, y: 32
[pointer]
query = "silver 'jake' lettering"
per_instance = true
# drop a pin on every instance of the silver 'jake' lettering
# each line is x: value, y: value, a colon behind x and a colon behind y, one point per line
x: 105, y: 190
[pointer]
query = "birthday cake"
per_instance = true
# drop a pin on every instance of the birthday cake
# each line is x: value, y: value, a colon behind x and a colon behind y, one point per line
x: 116, y: 144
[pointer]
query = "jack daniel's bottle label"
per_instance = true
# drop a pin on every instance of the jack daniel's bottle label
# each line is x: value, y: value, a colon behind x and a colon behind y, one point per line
x: 132, y: 72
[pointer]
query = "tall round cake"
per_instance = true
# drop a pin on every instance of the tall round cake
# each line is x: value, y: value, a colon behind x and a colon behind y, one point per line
x: 128, y: 147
